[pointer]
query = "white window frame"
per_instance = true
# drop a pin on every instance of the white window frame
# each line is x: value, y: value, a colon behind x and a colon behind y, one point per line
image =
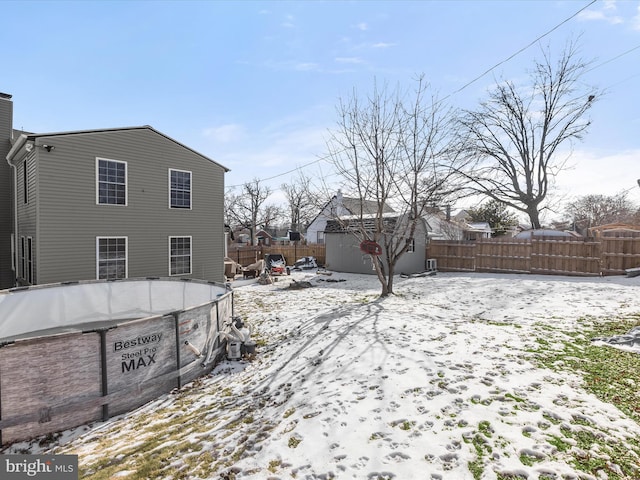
x: 190, y: 255
x: 126, y: 182
x: 411, y: 248
x: 320, y: 237
x: 25, y: 183
x: 126, y: 255
x: 171, y: 206
x: 30, y: 261
x: 23, y: 257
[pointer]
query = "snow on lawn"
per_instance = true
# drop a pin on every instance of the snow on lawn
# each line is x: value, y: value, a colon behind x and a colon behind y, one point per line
x: 440, y: 381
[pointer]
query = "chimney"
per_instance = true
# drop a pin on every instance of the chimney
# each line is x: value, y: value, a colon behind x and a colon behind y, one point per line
x: 6, y: 191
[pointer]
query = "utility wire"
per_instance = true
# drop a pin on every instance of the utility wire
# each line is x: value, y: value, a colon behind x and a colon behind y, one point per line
x: 478, y: 78
x: 614, y: 58
x: 521, y: 50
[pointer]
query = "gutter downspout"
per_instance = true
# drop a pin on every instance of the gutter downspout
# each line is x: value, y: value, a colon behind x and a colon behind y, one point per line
x: 16, y: 147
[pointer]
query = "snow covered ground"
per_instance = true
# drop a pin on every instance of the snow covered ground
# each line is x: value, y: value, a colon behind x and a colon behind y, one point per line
x: 436, y: 382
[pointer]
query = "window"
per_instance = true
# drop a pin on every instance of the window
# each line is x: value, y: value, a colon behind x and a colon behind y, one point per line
x: 179, y: 189
x: 112, y: 258
x: 179, y: 255
x: 23, y: 257
x: 30, y: 260
x: 25, y: 182
x: 320, y: 237
x: 411, y: 246
x: 112, y: 182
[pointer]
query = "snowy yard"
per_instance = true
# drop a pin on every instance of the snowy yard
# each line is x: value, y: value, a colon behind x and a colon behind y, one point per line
x: 457, y: 376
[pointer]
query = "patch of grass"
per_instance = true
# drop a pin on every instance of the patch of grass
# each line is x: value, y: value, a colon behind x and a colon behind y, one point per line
x: 274, y: 465
x: 529, y: 460
x: 478, y: 440
x: 485, y: 428
x: 609, y: 374
x: 294, y: 442
x: 514, y: 397
x: 559, y: 443
x: 476, y: 468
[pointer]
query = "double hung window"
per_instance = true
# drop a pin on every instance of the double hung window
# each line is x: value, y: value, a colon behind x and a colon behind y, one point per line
x: 111, y: 176
x: 112, y: 258
x: 179, y: 255
x: 179, y: 189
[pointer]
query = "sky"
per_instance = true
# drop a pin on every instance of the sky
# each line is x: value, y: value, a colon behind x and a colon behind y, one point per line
x: 424, y: 384
x: 255, y: 85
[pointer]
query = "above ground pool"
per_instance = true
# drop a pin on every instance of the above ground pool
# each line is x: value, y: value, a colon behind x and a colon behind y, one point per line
x: 74, y: 353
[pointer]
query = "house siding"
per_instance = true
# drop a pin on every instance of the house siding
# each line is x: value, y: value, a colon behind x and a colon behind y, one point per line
x: 27, y: 212
x: 70, y: 219
x: 6, y: 190
x: 343, y: 254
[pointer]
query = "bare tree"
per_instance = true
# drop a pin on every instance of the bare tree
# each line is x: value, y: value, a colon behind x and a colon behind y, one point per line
x: 246, y: 209
x: 390, y: 149
x: 300, y: 201
x: 593, y: 210
x: 514, y: 135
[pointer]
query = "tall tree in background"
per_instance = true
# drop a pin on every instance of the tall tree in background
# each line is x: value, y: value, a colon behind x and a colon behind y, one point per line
x: 593, y: 210
x: 515, y: 134
x: 247, y: 209
x: 496, y: 214
x: 390, y: 148
x: 300, y: 201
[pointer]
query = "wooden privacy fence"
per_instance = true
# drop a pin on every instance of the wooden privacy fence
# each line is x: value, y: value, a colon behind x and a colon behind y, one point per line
x: 545, y: 255
x: 247, y: 255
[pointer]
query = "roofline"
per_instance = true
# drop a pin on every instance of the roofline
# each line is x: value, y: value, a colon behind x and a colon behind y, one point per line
x: 34, y: 136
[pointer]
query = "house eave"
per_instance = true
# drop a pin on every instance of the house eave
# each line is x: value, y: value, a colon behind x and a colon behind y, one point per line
x: 17, y: 146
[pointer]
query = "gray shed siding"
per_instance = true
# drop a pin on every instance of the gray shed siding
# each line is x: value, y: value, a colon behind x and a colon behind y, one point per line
x: 70, y: 219
x: 343, y: 255
x: 6, y: 198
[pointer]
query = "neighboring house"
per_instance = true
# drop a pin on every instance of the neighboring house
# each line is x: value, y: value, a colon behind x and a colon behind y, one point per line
x: 343, y: 252
x: 109, y: 204
x: 439, y: 228
x: 615, y: 230
x: 455, y: 228
x: 476, y: 230
x: 337, y: 207
x: 546, y: 233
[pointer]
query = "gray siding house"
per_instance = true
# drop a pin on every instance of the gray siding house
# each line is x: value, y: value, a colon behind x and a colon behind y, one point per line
x: 113, y: 203
x: 6, y: 228
x: 343, y: 252
x: 337, y: 207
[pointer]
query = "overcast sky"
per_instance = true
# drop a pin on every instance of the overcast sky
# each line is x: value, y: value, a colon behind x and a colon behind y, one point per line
x: 254, y: 85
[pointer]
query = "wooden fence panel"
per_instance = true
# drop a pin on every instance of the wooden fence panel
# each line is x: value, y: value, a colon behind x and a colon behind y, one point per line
x: 565, y: 256
x: 246, y: 255
x: 503, y: 255
x: 546, y: 255
x: 619, y: 253
x: 453, y: 255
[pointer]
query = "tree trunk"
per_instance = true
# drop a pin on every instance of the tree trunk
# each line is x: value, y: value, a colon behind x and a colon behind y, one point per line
x: 534, y: 217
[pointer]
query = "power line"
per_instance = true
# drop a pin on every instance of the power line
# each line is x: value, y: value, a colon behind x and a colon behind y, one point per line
x: 285, y: 173
x: 521, y: 50
x: 614, y: 58
x: 461, y: 88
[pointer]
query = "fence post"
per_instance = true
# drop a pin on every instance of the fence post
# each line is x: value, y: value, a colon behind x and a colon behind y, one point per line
x: 105, y: 380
